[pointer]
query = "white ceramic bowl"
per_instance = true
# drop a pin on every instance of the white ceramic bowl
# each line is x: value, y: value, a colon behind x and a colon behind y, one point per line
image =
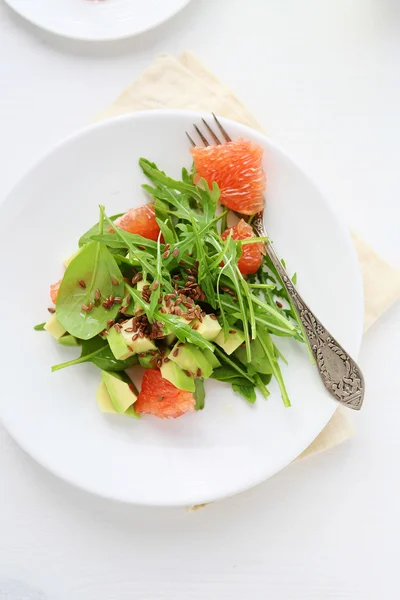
x: 200, y: 457
x: 97, y: 20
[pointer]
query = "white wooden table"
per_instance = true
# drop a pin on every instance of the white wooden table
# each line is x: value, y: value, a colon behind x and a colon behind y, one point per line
x: 323, y: 77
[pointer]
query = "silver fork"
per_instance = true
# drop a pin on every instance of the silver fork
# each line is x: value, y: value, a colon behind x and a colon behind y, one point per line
x: 340, y: 374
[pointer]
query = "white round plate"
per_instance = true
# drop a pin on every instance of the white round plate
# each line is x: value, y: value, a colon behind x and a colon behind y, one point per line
x: 97, y: 20
x: 203, y: 456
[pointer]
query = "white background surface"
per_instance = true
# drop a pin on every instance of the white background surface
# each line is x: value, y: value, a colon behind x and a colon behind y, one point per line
x: 323, y: 78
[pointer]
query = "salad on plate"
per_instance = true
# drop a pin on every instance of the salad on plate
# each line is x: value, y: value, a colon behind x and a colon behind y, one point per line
x: 181, y: 287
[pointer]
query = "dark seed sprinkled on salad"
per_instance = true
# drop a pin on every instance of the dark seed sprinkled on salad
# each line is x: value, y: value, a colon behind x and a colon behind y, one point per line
x: 82, y: 283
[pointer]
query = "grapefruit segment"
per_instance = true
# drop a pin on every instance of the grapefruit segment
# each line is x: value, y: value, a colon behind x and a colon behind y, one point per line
x: 237, y: 169
x: 141, y: 220
x: 252, y: 254
x: 160, y: 398
x: 54, y: 291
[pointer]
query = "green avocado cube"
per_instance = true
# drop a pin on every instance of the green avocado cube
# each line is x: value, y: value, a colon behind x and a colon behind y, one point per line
x: 209, y: 328
x: 121, y: 395
x: 190, y: 358
x: 105, y: 404
x: 177, y: 376
x: 232, y: 342
x: 54, y: 327
x: 212, y: 359
x: 122, y: 344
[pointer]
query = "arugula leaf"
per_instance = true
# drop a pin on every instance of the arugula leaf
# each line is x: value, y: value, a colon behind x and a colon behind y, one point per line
x: 86, y: 237
x: 167, y: 232
x: 97, y: 268
x: 199, y: 393
x: 269, y: 350
x: 155, y: 295
x: 112, y: 241
x: 142, y: 257
x: 40, y: 327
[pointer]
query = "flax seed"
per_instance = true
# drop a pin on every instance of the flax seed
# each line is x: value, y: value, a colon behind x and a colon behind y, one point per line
x: 82, y: 283
x: 233, y: 331
x: 114, y: 281
x: 110, y: 323
x: 175, y: 253
x: 279, y: 304
x: 212, y: 316
x: 97, y: 294
x: 51, y: 310
x: 199, y: 373
x: 85, y: 308
x: 166, y: 254
x: 154, y: 285
x: 175, y: 352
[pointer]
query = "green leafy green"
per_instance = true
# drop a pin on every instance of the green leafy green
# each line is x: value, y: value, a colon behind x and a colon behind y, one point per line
x: 87, y: 236
x: 40, y: 327
x: 199, y: 393
x: 248, y: 392
x: 68, y: 340
x: 98, y: 352
x: 97, y: 269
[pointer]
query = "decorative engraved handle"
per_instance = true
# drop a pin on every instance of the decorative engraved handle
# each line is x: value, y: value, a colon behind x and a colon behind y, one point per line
x: 340, y: 374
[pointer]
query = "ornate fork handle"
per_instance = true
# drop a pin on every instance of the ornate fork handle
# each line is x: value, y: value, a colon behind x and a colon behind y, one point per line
x: 339, y: 372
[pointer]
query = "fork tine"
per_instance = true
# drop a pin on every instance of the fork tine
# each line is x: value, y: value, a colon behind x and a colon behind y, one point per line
x: 226, y: 136
x: 190, y: 139
x: 203, y: 139
x: 216, y: 140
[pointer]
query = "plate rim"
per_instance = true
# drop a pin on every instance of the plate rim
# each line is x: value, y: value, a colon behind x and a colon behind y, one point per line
x: 192, y: 115
x: 85, y: 38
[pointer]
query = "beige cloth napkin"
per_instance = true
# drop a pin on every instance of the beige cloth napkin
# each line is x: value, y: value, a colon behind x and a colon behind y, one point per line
x: 184, y: 83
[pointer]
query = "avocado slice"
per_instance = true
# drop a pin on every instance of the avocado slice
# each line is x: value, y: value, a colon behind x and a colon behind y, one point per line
x: 212, y: 359
x: 190, y: 358
x: 54, y: 327
x: 118, y: 345
x: 232, y: 342
x: 122, y: 345
x: 147, y: 361
x: 105, y: 404
x: 209, y: 328
x: 118, y: 387
x: 259, y: 360
x: 176, y: 376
